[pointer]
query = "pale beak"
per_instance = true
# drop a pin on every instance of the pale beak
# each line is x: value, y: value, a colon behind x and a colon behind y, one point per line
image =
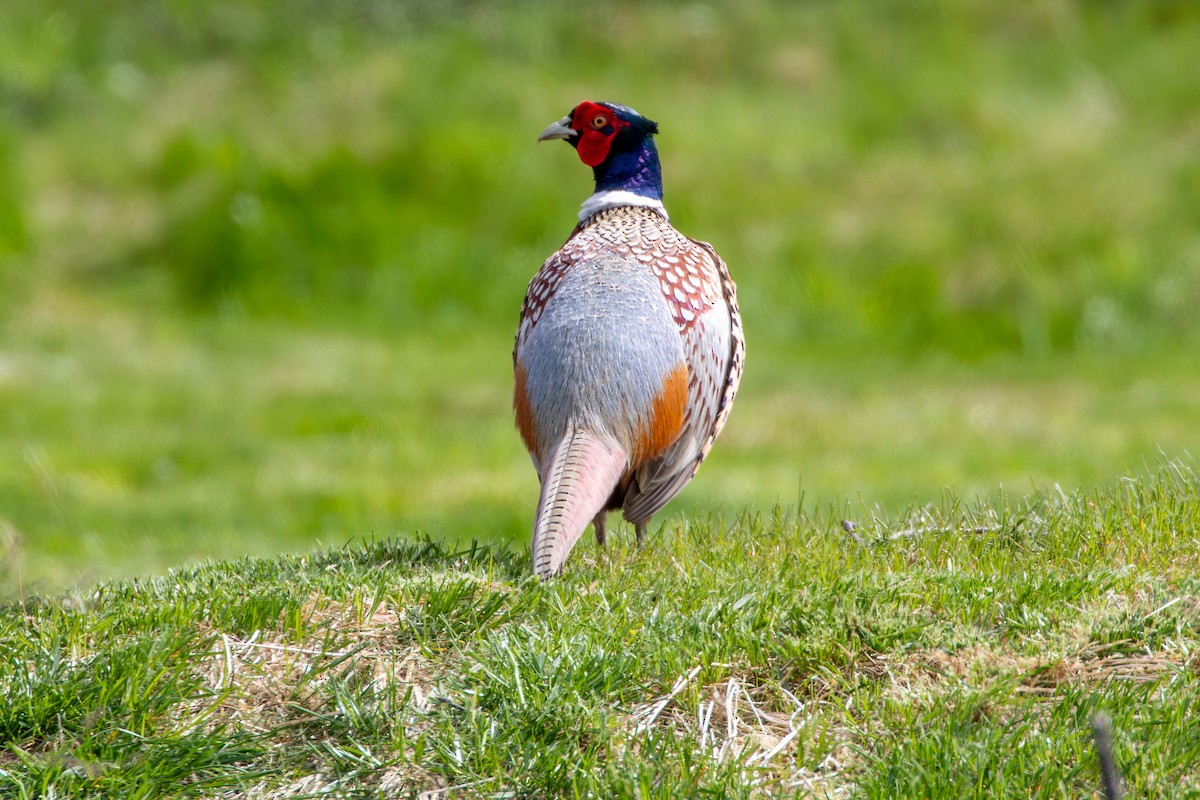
x: 558, y: 130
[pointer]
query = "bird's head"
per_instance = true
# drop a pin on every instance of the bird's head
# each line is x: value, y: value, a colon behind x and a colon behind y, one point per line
x: 600, y: 130
x: 616, y: 142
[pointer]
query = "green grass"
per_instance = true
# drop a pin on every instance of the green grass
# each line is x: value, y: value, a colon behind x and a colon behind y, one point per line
x: 137, y: 444
x: 260, y: 262
x: 971, y: 181
x: 952, y: 651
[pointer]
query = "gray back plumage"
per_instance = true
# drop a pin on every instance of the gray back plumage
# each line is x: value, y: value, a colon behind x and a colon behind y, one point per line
x: 600, y: 350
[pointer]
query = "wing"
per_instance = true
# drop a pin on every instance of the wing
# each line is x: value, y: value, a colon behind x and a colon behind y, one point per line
x: 703, y: 299
x: 541, y: 288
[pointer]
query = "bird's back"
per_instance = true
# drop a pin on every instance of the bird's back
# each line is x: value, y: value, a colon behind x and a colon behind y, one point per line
x: 631, y: 332
x: 598, y: 353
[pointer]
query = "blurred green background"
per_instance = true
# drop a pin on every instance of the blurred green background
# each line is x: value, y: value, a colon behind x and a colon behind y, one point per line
x: 260, y: 262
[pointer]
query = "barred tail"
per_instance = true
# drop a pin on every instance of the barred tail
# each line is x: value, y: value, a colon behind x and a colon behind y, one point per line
x: 576, y: 483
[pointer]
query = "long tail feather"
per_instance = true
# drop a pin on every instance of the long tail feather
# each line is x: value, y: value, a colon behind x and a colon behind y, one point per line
x: 576, y: 484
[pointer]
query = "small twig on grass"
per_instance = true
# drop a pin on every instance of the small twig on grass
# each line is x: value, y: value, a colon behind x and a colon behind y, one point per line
x: 730, y: 718
x: 941, y: 529
x: 766, y: 757
x: 762, y: 719
x: 662, y: 704
x: 1163, y: 607
x: 448, y: 702
x: 850, y: 527
x: 448, y: 791
x: 304, y: 651
x: 1108, y: 766
x: 705, y: 720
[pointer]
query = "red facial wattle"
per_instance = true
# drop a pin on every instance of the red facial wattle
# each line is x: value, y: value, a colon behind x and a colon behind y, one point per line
x: 595, y: 139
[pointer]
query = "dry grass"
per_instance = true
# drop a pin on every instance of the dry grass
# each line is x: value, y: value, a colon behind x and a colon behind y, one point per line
x: 267, y: 684
x: 740, y: 721
x: 760, y: 727
x: 924, y: 673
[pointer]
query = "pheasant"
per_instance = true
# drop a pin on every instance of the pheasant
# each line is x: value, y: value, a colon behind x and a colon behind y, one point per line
x: 629, y: 349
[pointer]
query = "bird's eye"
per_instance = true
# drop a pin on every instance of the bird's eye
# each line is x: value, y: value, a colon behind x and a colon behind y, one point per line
x: 599, y: 121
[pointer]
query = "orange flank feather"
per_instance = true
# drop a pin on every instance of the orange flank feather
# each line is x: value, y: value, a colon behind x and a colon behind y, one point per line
x: 524, y: 414
x: 666, y: 417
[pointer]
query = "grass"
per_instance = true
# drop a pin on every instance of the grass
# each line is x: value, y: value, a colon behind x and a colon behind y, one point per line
x: 156, y: 442
x: 951, y: 651
x: 260, y: 264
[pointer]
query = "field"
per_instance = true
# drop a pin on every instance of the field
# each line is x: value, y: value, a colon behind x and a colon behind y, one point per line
x: 955, y: 652
x: 260, y: 266
x: 261, y: 262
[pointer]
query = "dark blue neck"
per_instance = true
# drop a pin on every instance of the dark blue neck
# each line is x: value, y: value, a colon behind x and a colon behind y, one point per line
x: 636, y: 171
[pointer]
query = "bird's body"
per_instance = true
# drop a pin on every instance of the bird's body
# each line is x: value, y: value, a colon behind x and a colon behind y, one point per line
x: 629, y: 349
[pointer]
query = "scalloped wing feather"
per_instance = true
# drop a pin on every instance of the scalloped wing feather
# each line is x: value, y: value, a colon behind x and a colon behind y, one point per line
x: 715, y: 348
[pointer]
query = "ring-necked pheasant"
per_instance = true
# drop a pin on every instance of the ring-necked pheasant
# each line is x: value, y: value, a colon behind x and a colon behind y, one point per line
x: 629, y: 349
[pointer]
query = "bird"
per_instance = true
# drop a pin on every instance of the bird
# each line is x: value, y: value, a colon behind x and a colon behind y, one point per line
x: 629, y: 349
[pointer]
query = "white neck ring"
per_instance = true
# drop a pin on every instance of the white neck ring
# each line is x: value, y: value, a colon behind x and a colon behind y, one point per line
x: 612, y: 198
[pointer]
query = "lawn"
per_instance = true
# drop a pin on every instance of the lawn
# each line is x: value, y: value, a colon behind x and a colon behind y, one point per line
x: 137, y: 444
x: 264, y: 516
x: 956, y: 651
x: 261, y: 262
